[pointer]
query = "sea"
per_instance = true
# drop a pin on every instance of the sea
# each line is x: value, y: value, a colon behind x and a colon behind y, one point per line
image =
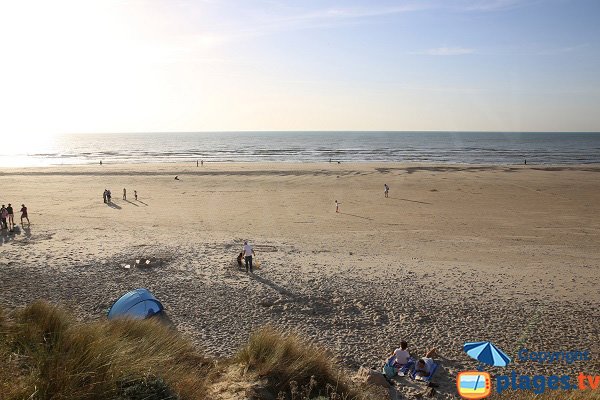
x: 428, y: 147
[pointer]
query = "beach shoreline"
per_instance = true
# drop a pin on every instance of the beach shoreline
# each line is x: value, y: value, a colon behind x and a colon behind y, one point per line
x: 456, y: 253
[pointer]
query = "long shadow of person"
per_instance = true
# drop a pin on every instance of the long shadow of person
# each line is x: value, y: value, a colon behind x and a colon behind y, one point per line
x: 113, y: 205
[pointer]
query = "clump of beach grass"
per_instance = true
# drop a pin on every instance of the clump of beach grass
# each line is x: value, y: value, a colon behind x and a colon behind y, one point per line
x: 46, y: 354
x: 294, y: 367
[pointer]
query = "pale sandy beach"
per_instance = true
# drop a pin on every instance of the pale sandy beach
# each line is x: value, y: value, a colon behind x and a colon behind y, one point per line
x: 457, y: 253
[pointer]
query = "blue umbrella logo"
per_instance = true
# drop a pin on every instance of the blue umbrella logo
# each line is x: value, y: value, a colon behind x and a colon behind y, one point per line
x: 487, y: 353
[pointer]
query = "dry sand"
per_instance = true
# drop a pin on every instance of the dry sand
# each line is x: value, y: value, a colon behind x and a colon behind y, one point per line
x: 455, y: 254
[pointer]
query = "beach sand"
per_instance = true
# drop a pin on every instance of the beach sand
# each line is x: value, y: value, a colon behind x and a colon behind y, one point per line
x: 457, y: 253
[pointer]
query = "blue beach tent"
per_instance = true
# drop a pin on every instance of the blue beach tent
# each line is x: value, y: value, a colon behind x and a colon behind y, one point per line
x: 137, y: 304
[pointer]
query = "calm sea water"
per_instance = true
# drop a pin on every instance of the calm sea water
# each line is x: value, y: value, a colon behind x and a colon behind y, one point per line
x: 435, y: 147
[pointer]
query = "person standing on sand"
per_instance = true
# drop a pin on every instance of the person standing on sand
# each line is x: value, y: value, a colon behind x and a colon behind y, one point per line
x: 24, y: 214
x: 337, y: 206
x: 124, y: 194
x: 248, y: 253
x: 135, y: 194
x: 108, y: 196
x: 202, y: 163
x: 386, y: 189
x: 3, y: 216
x: 11, y: 217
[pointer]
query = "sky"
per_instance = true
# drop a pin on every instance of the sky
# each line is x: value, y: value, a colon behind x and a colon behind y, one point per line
x: 77, y: 66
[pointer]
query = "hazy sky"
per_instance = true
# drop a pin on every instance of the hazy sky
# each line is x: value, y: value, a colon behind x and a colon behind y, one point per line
x: 169, y: 65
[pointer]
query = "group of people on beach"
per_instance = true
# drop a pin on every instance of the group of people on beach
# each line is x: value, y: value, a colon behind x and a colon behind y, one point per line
x: 7, y: 216
x: 107, y: 195
x: 246, y: 254
x: 401, y: 359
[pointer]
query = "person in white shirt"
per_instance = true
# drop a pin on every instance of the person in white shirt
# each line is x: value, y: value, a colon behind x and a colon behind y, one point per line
x: 401, y: 354
x: 248, y: 253
x: 424, y: 365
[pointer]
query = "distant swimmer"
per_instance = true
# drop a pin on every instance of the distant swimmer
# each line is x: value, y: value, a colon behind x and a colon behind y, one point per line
x: 386, y: 189
x: 176, y: 177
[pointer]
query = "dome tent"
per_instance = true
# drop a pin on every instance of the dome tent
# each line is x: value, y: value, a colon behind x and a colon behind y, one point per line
x: 137, y: 304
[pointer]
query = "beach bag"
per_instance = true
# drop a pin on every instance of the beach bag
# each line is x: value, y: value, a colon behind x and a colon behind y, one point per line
x: 389, y: 370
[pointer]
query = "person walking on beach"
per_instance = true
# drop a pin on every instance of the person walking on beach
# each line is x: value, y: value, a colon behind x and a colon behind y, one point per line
x: 248, y: 253
x: 124, y: 194
x: 104, y: 195
x: 11, y: 217
x: 3, y: 217
x: 202, y: 163
x: 135, y: 194
x: 386, y: 189
x: 337, y: 206
x: 24, y: 214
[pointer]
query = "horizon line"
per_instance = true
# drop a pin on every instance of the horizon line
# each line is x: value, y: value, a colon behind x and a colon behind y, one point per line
x: 319, y: 131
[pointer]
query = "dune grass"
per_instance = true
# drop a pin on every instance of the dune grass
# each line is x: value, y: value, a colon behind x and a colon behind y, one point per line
x: 45, y: 353
x: 296, y: 368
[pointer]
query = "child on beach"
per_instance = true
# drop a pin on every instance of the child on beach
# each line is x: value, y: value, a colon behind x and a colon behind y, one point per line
x: 401, y: 354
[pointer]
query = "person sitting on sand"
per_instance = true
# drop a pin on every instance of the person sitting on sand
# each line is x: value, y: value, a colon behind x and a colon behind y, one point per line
x: 424, y: 365
x: 176, y: 177
x: 24, y: 214
x: 402, y: 355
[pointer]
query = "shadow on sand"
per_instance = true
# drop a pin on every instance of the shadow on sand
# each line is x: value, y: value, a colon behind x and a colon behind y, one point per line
x: 113, y: 205
x: 356, y: 216
x: 280, y: 289
x: 412, y: 201
x: 139, y: 201
x: 130, y: 202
